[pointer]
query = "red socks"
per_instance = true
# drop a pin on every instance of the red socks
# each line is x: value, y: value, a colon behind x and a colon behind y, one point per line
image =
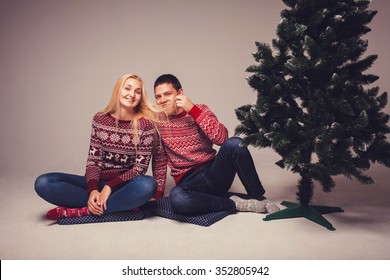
x: 62, y: 212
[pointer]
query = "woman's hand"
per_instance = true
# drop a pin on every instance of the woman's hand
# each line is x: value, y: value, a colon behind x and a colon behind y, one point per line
x: 94, y: 205
x: 104, y: 194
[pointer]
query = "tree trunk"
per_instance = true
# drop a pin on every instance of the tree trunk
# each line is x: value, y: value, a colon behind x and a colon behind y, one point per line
x: 305, y: 188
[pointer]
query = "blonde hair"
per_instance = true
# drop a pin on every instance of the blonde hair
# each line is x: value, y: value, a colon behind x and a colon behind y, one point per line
x: 143, y: 110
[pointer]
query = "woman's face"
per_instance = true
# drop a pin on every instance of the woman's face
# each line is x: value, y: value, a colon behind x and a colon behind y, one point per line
x: 131, y: 94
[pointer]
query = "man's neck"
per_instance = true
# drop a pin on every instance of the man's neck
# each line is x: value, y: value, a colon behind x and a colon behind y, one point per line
x: 180, y: 112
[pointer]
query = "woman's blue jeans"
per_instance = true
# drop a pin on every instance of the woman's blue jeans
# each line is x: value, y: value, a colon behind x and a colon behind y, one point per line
x: 202, y: 190
x: 70, y: 191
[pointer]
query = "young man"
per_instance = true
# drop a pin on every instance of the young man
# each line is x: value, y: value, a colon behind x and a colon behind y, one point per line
x: 203, y: 176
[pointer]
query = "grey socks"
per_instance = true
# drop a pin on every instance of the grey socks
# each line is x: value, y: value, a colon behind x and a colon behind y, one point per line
x: 254, y: 205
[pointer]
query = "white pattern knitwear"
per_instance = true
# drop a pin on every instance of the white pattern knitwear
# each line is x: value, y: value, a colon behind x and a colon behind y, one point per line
x: 189, y: 138
x: 114, y: 157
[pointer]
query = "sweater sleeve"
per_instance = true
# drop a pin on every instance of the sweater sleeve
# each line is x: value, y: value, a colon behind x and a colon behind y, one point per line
x: 94, y: 159
x: 208, y: 122
x: 159, y: 166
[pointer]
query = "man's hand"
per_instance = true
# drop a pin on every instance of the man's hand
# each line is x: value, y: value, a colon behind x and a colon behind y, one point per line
x: 184, y: 102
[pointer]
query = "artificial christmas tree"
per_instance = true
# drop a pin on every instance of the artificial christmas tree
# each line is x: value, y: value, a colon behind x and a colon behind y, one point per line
x: 314, y: 105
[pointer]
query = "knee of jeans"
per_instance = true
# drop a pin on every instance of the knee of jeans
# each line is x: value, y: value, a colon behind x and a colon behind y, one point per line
x: 232, y: 143
x: 41, y: 183
x: 178, y: 198
x: 149, y: 185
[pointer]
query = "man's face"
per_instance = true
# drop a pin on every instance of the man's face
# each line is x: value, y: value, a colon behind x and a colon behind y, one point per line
x: 165, y: 95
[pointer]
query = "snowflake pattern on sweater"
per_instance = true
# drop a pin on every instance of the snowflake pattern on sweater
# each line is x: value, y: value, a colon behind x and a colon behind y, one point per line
x: 189, y: 138
x: 114, y: 157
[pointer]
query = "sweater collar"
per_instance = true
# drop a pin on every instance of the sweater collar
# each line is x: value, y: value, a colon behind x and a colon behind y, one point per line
x: 182, y: 114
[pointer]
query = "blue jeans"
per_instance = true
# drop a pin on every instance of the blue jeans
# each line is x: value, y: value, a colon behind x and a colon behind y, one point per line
x: 203, y: 190
x: 70, y: 191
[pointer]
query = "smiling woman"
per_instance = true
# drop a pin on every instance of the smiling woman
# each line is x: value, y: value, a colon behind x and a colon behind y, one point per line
x: 129, y: 98
x: 123, y: 142
x: 130, y: 102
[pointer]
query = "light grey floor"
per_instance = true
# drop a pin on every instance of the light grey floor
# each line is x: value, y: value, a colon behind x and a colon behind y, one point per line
x: 362, y: 231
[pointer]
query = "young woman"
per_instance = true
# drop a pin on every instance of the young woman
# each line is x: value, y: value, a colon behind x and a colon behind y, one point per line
x: 124, y: 139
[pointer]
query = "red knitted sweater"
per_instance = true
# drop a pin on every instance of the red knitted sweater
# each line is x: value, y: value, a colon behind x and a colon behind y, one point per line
x: 114, y: 157
x: 188, y: 139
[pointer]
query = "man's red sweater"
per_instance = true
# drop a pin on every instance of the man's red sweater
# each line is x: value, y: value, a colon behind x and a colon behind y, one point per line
x: 188, y: 139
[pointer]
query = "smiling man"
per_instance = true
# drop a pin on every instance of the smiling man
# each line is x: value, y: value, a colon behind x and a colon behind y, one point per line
x: 203, y: 176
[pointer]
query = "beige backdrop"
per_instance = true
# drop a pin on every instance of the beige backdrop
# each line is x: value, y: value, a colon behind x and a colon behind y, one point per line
x: 60, y: 60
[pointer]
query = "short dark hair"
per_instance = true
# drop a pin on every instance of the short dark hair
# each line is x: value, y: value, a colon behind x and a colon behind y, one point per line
x: 168, y: 79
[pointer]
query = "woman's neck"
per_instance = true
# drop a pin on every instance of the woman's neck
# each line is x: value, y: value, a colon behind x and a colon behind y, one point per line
x: 124, y: 115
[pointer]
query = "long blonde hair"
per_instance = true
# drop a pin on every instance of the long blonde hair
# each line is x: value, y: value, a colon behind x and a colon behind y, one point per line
x: 143, y: 110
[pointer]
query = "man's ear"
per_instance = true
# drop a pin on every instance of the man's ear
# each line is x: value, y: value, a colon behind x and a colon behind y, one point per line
x: 180, y: 91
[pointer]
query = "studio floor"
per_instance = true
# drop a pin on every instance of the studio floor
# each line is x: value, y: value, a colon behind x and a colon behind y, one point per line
x: 362, y: 230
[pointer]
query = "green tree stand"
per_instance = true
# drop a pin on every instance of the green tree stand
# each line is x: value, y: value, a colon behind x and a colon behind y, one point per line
x: 311, y: 212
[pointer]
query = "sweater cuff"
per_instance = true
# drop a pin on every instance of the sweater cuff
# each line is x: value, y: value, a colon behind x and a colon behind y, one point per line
x: 92, y: 185
x: 114, y: 183
x: 195, y: 112
x: 158, y: 195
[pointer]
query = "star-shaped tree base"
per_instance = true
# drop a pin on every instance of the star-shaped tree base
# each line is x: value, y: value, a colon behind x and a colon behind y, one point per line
x: 312, y: 212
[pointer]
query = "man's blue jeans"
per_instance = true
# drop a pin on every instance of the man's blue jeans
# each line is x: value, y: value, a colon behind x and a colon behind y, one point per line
x: 70, y: 191
x: 202, y: 190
